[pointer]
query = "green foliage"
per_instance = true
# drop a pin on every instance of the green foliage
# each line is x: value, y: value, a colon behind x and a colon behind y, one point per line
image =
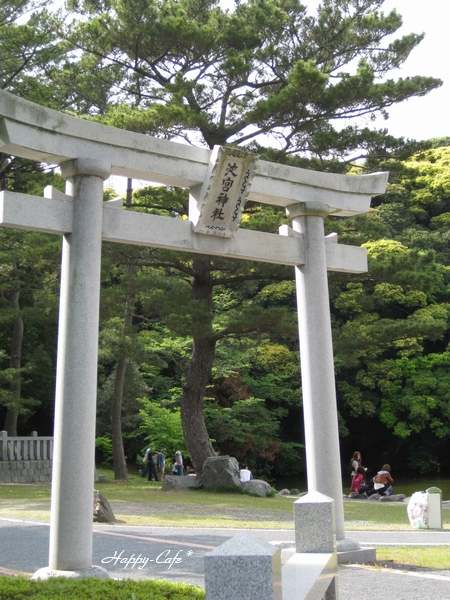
x: 290, y: 460
x: 416, y: 400
x: 29, y: 279
x: 162, y: 427
x: 391, y: 326
x: 28, y: 49
x: 246, y: 429
x: 104, y: 447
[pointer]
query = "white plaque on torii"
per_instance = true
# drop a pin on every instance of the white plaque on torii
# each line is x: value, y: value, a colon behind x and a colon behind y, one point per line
x: 223, y: 195
x: 87, y: 154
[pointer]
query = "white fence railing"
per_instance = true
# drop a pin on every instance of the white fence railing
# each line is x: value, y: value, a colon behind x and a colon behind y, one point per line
x: 25, y: 448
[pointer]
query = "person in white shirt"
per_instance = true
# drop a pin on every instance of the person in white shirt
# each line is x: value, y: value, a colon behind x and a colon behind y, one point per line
x: 244, y: 474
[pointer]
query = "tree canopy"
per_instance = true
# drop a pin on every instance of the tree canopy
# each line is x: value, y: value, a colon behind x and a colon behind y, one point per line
x: 209, y: 340
x: 264, y: 72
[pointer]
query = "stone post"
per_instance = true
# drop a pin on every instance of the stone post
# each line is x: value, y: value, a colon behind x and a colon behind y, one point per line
x: 243, y: 568
x: 316, y: 359
x: 314, y: 521
x: 312, y: 571
x: 76, y: 379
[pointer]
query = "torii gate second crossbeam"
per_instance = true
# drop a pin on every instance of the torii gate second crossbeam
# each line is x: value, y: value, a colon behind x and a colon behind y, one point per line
x: 87, y: 154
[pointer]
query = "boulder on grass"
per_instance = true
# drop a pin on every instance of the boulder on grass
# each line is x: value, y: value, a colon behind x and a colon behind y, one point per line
x: 284, y: 492
x: 175, y: 482
x: 220, y: 472
x: 257, y: 486
x: 102, y: 510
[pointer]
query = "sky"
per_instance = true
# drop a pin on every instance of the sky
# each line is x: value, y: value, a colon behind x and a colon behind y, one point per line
x: 426, y: 117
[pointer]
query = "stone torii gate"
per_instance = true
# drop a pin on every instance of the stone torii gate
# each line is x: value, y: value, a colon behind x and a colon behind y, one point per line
x: 87, y: 154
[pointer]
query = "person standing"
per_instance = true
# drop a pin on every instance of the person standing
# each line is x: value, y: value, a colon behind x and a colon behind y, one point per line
x: 355, y: 462
x: 178, y: 465
x: 152, y: 467
x: 160, y: 464
x: 145, y: 462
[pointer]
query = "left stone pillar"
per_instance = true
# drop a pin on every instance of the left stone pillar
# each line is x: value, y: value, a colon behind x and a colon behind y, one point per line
x: 76, y: 378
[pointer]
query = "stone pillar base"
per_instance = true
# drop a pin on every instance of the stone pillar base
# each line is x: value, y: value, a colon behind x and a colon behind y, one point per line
x: 349, y: 551
x: 94, y: 571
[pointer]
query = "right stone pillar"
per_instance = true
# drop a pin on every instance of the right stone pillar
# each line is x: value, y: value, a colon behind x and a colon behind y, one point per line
x: 316, y: 359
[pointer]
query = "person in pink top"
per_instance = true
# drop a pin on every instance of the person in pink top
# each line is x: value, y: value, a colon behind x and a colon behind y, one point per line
x: 358, y: 483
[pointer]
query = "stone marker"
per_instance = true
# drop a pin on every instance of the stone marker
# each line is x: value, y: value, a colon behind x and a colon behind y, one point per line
x: 315, y: 523
x: 243, y: 568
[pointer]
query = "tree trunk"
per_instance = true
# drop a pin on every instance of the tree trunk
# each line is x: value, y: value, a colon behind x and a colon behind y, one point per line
x: 199, y: 373
x: 194, y: 427
x: 120, y: 465
x: 12, y: 413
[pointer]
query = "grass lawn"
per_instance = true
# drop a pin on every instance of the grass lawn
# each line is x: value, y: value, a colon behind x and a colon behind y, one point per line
x: 17, y: 588
x: 140, y: 502
x: 419, y: 556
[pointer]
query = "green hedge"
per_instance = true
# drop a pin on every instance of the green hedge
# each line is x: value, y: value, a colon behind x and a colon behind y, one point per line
x: 60, y: 588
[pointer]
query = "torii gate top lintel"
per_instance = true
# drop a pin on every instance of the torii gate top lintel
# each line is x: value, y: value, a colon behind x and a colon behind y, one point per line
x: 38, y: 133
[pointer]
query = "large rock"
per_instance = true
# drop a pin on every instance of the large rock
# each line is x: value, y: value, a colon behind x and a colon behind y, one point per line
x: 102, y: 510
x: 175, y: 482
x: 220, y: 472
x: 257, y: 486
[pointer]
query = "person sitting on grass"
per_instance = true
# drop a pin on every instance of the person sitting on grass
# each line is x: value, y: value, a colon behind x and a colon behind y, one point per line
x: 359, y: 486
x: 382, y: 482
x: 245, y: 474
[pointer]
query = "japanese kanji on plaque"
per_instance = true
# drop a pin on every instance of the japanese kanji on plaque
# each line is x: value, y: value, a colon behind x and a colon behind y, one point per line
x: 225, y: 191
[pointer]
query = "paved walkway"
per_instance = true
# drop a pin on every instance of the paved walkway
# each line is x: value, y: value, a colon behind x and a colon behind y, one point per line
x: 177, y: 554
